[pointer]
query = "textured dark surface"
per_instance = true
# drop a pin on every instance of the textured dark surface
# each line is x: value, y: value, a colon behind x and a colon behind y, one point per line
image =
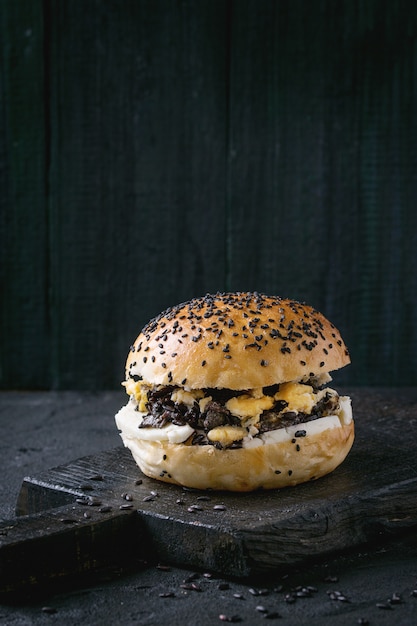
x: 45, y: 429
x: 155, y: 150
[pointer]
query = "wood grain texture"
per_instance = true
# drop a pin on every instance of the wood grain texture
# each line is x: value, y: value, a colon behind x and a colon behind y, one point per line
x: 24, y: 258
x: 137, y: 174
x: 157, y: 150
x: 322, y: 167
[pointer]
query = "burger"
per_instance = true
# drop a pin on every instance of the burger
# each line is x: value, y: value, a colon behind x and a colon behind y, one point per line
x: 230, y: 392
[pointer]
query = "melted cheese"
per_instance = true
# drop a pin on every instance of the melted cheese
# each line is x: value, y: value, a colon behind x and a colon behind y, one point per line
x: 203, y: 403
x: 227, y: 434
x: 180, y: 396
x: 247, y: 406
x: 300, y: 398
x: 138, y: 391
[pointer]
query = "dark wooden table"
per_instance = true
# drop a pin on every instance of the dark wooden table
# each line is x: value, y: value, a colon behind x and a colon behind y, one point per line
x: 374, y: 582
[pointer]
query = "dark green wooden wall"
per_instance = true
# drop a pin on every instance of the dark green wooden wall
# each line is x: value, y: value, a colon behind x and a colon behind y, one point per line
x: 156, y: 150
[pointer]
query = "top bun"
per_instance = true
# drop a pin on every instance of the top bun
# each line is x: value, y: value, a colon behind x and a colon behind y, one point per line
x: 236, y: 341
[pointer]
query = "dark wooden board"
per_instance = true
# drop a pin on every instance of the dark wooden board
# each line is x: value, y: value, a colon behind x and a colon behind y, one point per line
x: 371, y: 496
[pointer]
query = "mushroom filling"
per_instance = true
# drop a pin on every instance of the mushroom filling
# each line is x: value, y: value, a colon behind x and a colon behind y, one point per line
x: 224, y: 417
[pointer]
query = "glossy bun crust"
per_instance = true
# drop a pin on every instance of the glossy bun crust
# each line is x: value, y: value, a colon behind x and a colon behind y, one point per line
x: 236, y: 341
x: 270, y: 466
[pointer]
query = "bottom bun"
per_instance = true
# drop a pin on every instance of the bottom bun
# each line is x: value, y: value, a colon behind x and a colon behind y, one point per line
x: 269, y: 466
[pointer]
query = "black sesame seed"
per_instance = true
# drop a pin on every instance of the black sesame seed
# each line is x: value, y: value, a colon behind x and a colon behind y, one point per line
x: 96, y: 477
x: 105, y: 509
x: 300, y: 433
x: 87, y: 487
x: 395, y: 598
x: 264, y: 363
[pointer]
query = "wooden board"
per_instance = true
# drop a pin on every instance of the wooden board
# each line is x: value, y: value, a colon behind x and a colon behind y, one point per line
x: 109, y: 514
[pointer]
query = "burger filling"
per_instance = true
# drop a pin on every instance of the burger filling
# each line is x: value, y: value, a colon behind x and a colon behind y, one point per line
x: 228, y: 418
